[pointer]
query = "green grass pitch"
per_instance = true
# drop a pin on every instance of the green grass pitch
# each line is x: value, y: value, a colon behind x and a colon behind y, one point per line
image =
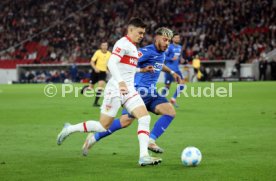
x: 237, y: 137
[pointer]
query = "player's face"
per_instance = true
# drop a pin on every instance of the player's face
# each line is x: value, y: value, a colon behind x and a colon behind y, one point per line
x: 104, y: 47
x: 176, y: 39
x: 137, y: 34
x: 162, y: 42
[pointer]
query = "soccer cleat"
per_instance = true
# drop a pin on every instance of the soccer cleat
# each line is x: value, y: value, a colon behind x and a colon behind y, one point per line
x: 155, y: 148
x: 63, y: 134
x: 148, y: 160
x: 89, y: 142
x: 173, y: 102
x: 96, y: 105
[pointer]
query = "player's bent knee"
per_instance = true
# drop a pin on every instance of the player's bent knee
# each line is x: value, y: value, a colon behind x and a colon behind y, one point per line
x: 171, y: 112
x: 165, y: 109
x: 125, y: 121
x: 140, y: 112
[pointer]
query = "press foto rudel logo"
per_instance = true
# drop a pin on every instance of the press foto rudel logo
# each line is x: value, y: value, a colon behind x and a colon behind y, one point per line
x: 190, y: 90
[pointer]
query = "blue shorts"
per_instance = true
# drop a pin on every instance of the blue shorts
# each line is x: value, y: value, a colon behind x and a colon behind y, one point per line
x: 150, y: 100
x: 169, y: 78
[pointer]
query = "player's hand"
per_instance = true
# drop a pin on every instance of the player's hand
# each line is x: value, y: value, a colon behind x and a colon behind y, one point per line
x: 148, y: 68
x: 97, y: 70
x: 182, y: 60
x: 177, y: 78
x: 175, y: 58
x: 123, y: 88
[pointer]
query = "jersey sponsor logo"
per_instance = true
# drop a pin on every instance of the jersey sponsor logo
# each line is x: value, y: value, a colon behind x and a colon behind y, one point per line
x: 129, y: 60
x: 158, y: 66
x: 118, y: 50
x: 140, y: 54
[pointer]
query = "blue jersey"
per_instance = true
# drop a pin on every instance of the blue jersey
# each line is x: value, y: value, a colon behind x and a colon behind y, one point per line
x: 149, y: 55
x: 173, y: 51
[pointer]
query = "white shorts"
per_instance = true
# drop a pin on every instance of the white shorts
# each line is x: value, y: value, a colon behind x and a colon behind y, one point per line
x: 113, y: 101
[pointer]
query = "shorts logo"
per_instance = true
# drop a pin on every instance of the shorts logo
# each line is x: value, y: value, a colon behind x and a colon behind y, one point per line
x: 118, y: 50
x: 107, y: 107
x: 140, y: 54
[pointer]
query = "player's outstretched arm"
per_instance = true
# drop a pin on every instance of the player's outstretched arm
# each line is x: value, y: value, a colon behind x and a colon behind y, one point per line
x: 175, y: 75
x: 148, y: 68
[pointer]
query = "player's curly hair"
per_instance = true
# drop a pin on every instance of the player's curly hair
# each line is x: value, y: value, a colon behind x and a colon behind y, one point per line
x: 163, y: 31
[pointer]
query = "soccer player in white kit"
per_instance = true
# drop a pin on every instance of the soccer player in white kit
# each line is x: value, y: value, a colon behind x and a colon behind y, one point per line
x: 120, y: 91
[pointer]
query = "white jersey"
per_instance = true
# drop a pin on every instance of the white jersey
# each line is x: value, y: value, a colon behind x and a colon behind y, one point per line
x: 127, y: 51
x: 122, y: 66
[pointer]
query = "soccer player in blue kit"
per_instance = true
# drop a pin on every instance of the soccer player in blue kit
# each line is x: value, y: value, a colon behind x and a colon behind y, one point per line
x: 151, y: 55
x: 173, y: 58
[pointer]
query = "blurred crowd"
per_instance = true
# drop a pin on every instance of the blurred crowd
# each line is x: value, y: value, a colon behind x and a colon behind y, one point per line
x: 72, y: 29
x: 58, y: 75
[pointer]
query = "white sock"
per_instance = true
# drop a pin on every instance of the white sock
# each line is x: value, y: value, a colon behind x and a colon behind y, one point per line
x: 87, y: 126
x: 143, y: 135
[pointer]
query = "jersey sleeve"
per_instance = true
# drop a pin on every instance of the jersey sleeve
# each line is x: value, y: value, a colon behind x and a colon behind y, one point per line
x: 117, y: 54
x: 95, y: 56
x: 119, y: 50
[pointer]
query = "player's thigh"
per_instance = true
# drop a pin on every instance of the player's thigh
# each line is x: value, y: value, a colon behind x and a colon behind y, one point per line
x: 165, y: 109
x: 101, y: 79
x: 135, y: 105
x: 94, y: 78
x: 110, y: 106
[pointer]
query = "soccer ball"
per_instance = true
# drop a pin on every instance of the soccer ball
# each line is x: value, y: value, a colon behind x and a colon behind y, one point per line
x: 191, y: 156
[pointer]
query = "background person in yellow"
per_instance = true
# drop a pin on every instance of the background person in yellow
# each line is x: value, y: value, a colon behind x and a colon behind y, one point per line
x: 99, y: 70
x: 196, y: 64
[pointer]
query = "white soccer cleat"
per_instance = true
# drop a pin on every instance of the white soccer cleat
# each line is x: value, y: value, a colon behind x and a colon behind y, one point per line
x: 155, y: 148
x: 63, y: 134
x: 148, y: 160
x: 89, y: 142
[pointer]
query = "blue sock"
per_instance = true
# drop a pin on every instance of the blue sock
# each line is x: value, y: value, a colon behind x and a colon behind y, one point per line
x: 160, y: 126
x: 116, y: 125
x: 179, y: 88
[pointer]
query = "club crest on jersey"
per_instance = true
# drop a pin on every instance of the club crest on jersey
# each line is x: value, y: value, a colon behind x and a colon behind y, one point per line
x: 118, y: 50
x: 140, y: 54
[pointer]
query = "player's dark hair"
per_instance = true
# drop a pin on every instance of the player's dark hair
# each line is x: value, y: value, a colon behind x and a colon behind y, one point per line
x: 137, y: 22
x: 104, y: 41
x: 175, y: 34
